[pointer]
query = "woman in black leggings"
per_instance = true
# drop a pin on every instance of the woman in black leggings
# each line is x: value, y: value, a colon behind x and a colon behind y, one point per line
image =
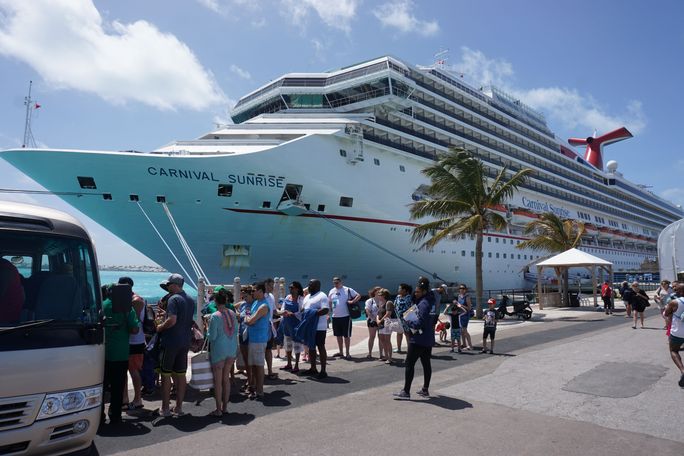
x: 420, y: 342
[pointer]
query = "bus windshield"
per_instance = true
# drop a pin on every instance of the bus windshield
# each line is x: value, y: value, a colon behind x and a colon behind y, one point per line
x: 46, y: 280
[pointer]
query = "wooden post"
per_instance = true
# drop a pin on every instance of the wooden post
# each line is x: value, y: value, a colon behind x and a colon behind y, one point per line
x: 283, y: 291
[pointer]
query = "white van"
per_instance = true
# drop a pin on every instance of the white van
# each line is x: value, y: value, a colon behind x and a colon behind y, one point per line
x: 51, y: 333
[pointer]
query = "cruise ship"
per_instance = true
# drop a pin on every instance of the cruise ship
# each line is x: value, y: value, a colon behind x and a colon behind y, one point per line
x: 316, y: 176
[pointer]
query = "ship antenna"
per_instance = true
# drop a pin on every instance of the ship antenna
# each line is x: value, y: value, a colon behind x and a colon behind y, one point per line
x: 28, y: 134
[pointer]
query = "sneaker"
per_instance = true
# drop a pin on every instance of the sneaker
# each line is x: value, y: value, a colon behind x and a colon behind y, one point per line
x: 491, y: 352
x: 163, y: 412
x: 402, y: 396
x: 451, y: 351
x: 321, y: 375
x: 484, y: 350
x: 423, y: 393
x: 681, y: 381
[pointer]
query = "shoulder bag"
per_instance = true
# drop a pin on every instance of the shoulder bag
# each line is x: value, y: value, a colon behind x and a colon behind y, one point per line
x: 355, y: 308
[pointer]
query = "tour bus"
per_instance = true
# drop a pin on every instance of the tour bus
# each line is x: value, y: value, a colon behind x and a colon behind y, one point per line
x: 51, y: 333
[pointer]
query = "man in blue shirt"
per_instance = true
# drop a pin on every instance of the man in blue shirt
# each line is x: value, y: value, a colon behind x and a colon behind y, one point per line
x: 259, y: 331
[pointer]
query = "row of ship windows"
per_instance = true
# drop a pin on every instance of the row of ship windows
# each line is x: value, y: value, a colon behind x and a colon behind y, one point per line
x: 599, y: 186
x: 376, y: 161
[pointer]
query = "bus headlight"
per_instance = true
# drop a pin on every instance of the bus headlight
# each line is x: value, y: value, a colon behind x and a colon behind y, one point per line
x: 62, y: 403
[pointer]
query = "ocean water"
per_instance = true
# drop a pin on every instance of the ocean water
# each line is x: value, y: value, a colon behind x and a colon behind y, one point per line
x: 145, y: 284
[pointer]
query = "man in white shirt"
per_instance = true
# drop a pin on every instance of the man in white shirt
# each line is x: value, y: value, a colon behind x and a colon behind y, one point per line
x: 317, y: 300
x: 340, y: 297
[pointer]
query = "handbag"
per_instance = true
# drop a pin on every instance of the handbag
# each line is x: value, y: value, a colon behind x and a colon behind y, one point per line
x: 354, y: 308
x: 201, y: 376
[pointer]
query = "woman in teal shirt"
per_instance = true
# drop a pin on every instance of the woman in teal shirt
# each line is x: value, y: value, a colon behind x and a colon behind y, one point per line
x: 222, y: 336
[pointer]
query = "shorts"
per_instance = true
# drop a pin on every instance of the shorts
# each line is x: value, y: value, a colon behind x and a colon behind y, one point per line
x: 256, y: 354
x: 173, y: 360
x: 676, y: 343
x: 489, y: 331
x: 455, y: 333
x: 320, y: 338
x: 291, y: 345
x: 135, y: 356
x: 342, y: 326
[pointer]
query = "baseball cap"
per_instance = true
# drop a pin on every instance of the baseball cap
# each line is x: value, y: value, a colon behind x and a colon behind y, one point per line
x: 218, y: 288
x: 491, y: 301
x: 126, y: 280
x: 173, y: 278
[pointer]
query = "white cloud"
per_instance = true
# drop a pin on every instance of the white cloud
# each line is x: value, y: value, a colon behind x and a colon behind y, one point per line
x: 565, y: 107
x: 223, y: 117
x: 399, y: 14
x: 334, y: 13
x: 244, y: 74
x: 71, y: 47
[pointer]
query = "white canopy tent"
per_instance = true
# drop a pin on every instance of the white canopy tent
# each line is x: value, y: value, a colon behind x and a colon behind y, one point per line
x: 671, y: 251
x: 574, y: 258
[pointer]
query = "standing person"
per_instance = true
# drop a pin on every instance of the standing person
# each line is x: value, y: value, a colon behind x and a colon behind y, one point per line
x: 385, y: 320
x: 118, y: 327
x: 136, y: 349
x: 454, y: 312
x: 639, y: 302
x: 464, y: 303
x: 490, y: 321
x: 317, y: 300
x: 272, y: 309
x: 439, y: 294
x: 420, y: 342
x: 625, y: 291
x: 371, y: 308
x: 607, y: 297
x: 401, y: 304
x: 662, y: 297
x: 340, y: 297
x: 244, y: 308
x: 258, y: 332
x: 176, y: 334
x: 222, y: 337
x: 291, y: 311
x: 674, y: 315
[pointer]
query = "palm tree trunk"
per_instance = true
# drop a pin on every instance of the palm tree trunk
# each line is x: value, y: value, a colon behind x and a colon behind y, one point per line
x: 566, y: 289
x: 479, y: 288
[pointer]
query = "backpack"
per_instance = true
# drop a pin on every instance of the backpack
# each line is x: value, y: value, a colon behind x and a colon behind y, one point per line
x: 354, y: 309
x: 148, y: 325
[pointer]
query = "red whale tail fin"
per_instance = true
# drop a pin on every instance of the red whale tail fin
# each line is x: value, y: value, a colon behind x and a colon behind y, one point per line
x: 594, y: 152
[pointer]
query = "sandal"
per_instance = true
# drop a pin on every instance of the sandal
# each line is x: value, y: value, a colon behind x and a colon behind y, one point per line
x: 252, y: 396
x: 272, y: 376
x: 216, y: 413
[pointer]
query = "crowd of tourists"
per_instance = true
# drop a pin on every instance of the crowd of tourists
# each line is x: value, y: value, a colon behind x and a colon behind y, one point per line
x: 241, y: 333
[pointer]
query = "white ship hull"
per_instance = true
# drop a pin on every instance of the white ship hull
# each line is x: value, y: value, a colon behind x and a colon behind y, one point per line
x: 341, y: 241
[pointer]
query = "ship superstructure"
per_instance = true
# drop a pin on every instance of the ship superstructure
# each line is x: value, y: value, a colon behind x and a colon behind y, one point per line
x: 315, y: 179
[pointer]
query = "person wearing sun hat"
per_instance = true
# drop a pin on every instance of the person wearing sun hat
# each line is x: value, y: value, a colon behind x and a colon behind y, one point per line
x: 176, y: 334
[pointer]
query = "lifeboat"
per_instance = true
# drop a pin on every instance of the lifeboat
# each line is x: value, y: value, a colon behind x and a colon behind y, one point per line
x: 590, y: 230
x: 605, y: 233
x: 523, y: 216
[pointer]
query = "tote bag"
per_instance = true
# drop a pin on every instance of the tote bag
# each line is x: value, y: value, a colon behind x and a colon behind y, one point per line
x: 201, y: 376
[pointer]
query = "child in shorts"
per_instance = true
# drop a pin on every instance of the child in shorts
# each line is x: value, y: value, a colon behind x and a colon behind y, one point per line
x: 442, y: 327
x: 454, y: 312
x: 489, y: 326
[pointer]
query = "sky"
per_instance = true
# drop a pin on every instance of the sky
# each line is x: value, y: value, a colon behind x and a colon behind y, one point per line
x: 135, y: 75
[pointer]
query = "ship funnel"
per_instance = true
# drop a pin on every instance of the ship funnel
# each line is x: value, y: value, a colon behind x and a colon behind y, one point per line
x: 594, y: 152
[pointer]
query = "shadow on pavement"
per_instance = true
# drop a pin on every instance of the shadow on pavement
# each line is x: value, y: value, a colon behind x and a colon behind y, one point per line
x: 330, y: 379
x: 125, y: 428
x: 446, y: 402
x: 276, y: 399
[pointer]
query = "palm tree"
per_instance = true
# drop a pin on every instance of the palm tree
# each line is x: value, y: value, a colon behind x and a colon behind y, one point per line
x: 554, y: 234
x: 460, y: 199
